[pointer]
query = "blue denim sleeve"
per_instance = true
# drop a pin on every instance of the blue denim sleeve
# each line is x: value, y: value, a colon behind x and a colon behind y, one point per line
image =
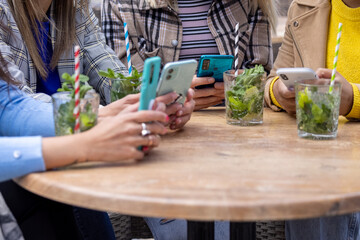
x: 21, y: 115
x: 20, y: 156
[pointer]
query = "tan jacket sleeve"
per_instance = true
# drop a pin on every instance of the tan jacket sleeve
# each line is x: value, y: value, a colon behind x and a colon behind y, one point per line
x: 285, y: 58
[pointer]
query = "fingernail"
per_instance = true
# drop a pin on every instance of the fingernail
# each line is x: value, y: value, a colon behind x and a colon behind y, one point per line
x: 145, y: 148
x: 179, y: 113
x: 210, y: 80
x: 167, y: 118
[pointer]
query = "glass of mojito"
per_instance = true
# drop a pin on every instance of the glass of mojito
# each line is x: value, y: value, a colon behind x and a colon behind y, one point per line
x: 244, y: 96
x: 122, y: 84
x: 317, y: 109
x: 63, y: 105
x: 121, y: 87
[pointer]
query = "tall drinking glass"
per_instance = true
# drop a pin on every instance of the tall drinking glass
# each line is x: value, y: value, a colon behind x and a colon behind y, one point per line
x: 317, y: 110
x: 64, y: 117
x: 244, y: 97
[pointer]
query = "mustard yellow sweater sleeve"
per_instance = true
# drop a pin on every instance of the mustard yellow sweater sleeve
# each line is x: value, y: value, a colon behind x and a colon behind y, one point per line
x: 348, y: 63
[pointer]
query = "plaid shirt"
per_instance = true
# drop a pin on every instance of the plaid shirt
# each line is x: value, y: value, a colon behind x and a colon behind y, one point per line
x: 157, y: 30
x: 95, y: 54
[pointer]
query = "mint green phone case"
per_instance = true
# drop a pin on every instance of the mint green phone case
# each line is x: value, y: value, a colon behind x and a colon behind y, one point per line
x: 177, y: 77
x: 149, y: 84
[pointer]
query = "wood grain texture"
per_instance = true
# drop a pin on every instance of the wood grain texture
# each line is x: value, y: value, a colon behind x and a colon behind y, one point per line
x: 214, y: 171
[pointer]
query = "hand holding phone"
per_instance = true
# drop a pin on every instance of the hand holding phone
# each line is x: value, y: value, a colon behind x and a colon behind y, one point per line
x: 214, y: 66
x: 290, y: 75
x: 177, y: 77
x: 149, y: 83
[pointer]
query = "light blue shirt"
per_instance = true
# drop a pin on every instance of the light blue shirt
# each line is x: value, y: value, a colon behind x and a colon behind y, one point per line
x: 21, y: 115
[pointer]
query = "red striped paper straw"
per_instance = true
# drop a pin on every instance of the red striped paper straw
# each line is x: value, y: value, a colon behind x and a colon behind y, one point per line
x: 77, y: 90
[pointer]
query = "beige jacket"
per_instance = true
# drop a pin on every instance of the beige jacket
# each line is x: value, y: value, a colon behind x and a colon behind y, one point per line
x: 305, y: 39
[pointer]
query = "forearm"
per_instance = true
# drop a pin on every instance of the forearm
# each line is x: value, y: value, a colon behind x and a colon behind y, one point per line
x: 63, y: 151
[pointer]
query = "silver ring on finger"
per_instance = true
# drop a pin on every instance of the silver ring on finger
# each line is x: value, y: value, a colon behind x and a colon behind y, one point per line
x: 144, y: 131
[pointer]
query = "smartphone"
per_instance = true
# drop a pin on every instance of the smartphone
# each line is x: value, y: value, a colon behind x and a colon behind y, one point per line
x: 214, y: 66
x: 149, y: 84
x: 290, y: 75
x: 177, y: 77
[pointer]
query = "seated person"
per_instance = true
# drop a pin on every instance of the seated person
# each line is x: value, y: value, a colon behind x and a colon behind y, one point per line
x: 40, y: 218
x: 180, y: 30
x: 309, y: 41
x: 39, y: 48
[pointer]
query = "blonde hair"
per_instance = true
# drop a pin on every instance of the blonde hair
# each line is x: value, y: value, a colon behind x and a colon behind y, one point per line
x: 267, y: 6
x: 28, y: 13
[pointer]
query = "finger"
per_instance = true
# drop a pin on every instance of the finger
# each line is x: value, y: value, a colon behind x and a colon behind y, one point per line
x: 167, y: 98
x: 152, y: 140
x: 202, y: 106
x: 220, y: 95
x: 146, y: 116
x: 323, y: 73
x: 284, y: 91
x: 173, y: 108
x: 132, y: 98
x: 207, y: 101
x: 156, y: 128
x: 198, y: 81
x: 136, y: 154
x: 188, y: 108
x: 159, y: 106
x: 180, y: 121
x: 128, y: 153
x: 219, y: 85
x: 131, y: 108
x: 190, y: 94
x: 207, y: 92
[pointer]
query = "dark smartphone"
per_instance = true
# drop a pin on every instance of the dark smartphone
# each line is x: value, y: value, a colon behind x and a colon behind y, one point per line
x: 214, y: 66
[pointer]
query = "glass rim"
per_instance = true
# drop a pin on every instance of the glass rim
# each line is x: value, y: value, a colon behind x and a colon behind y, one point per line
x: 240, y: 71
x: 66, y: 95
x: 125, y: 78
x: 327, y: 84
x: 228, y: 72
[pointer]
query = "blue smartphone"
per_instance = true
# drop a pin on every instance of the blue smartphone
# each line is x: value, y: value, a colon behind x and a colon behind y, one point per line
x: 214, y: 66
x: 177, y: 77
x: 149, y: 83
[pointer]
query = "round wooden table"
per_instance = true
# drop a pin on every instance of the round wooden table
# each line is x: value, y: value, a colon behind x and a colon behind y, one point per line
x: 214, y: 171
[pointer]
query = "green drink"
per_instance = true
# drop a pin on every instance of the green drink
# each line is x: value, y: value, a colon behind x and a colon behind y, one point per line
x: 244, y: 96
x: 317, y: 110
x: 122, y: 85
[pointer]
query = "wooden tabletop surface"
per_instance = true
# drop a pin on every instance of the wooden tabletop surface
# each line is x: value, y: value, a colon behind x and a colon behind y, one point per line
x: 214, y: 171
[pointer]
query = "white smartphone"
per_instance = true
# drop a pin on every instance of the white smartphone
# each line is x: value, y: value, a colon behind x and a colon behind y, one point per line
x: 177, y: 77
x: 290, y: 75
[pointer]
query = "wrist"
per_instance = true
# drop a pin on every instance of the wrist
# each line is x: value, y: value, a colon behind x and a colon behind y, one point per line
x: 78, y: 145
x: 274, y: 92
x: 350, y: 103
